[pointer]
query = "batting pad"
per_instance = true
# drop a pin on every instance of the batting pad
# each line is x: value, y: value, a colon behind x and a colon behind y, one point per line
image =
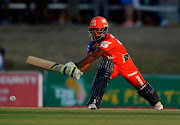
x: 100, y: 81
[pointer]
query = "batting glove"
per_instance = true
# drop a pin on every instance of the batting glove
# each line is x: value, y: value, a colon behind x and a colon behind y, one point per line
x: 71, y: 69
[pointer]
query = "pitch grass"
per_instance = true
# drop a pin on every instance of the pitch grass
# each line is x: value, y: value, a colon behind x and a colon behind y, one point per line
x: 83, y: 116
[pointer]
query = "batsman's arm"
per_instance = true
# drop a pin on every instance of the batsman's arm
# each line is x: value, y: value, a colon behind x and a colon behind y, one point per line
x: 90, y: 58
x: 83, y: 68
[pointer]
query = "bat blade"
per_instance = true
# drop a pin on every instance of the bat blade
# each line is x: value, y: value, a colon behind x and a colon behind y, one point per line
x: 46, y: 64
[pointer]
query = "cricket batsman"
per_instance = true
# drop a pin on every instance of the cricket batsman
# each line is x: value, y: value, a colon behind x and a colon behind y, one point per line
x: 115, y: 61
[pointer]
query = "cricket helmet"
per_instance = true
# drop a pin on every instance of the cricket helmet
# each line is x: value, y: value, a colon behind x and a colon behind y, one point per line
x: 98, y: 22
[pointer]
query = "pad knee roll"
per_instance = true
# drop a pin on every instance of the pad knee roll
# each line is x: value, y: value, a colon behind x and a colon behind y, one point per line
x: 148, y: 93
x: 100, y: 81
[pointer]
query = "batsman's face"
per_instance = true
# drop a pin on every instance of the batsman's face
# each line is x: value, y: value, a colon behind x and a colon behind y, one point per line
x: 96, y: 32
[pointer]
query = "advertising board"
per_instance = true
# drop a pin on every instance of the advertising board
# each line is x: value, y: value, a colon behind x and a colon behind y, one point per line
x: 25, y: 86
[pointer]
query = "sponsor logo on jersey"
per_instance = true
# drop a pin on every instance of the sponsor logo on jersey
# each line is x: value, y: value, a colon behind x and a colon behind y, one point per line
x: 125, y: 57
x: 111, y: 57
x: 131, y: 74
x: 105, y: 44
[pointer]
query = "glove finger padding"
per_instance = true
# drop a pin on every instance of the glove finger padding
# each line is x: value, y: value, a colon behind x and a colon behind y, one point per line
x: 67, y: 68
x: 76, y: 73
x: 72, y: 72
x: 70, y: 64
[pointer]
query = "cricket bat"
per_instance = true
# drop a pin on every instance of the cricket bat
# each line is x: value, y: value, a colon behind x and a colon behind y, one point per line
x: 46, y: 64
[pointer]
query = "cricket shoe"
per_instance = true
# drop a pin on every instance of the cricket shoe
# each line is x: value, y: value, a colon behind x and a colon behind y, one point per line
x: 92, y: 106
x: 158, y: 106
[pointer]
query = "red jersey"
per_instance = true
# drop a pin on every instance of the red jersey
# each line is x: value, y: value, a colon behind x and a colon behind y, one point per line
x: 115, y: 49
x: 118, y: 54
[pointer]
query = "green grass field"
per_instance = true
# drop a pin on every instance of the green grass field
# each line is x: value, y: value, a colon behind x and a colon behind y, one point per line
x: 83, y: 116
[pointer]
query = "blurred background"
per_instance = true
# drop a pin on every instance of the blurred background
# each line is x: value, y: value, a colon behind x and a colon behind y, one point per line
x: 57, y: 30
